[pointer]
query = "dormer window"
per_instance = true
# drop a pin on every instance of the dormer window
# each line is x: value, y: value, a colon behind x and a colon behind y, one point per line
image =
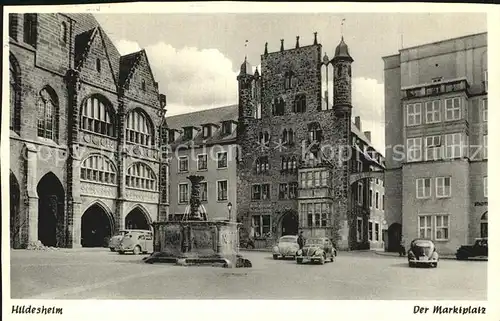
x: 171, y: 136
x: 98, y: 65
x: 226, y: 128
x: 207, y: 131
x: 188, y: 133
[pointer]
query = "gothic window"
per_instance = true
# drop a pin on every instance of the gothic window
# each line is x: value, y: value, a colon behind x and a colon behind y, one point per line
x: 326, y: 87
x: 98, y: 65
x: 143, y: 85
x: 15, y: 112
x: 262, y: 165
x: 284, y: 136
x: 299, y: 104
x: 139, y: 128
x: 339, y: 71
x: 30, y: 28
x: 48, y: 114
x: 264, y: 139
x: 98, y: 168
x: 314, y: 132
x: 98, y: 116
x: 63, y: 32
x: 140, y: 176
x: 13, y: 25
x: 290, y: 80
x: 278, y: 107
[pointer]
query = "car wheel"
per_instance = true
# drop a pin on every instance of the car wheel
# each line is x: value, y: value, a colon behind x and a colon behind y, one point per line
x: 275, y: 256
x: 434, y: 265
x: 299, y: 260
x: 333, y: 258
x: 137, y: 250
x: 111, y: 249
x: 410, y: 264
x: 121, y: 252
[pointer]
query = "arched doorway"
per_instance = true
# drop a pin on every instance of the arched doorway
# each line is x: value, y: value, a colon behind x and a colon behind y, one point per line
x: 15, y: 219
x: 394, y: 235
x: 97, y: 227
x: 484, y: 225
x: 51, y: 211
x: 289, y: 224
x: 137, y: 219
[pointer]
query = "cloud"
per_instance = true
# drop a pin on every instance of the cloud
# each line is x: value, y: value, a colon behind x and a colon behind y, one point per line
x: 192, y: 78
x: 368, y: 103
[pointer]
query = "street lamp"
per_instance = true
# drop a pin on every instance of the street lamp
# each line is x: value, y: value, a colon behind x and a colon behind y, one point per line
x: 229, y: 207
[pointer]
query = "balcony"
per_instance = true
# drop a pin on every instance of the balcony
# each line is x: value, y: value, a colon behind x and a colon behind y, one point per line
x: 434, y: 89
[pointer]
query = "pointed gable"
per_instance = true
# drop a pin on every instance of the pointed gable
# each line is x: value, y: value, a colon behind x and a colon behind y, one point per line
x: 92, y: 59
x: 137, y: 78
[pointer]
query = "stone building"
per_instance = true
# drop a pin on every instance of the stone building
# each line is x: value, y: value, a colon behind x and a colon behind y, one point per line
x: 84, y: 134
x: 204, y: 143
x: 298, y: 161
x: 436, y: 108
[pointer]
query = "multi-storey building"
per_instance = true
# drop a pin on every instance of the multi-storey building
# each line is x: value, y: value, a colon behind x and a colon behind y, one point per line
x: 295, y: 169
x: 84, y: 134
x: 436, y: 109
x: 204, y: 143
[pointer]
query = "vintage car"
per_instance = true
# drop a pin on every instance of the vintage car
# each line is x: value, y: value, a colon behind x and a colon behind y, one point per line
x: 114, y: 242
x: 136, y: 241
x: 287, y: 246
x: 316, y: 249
x: 478, y: 250
x: 422, y: 252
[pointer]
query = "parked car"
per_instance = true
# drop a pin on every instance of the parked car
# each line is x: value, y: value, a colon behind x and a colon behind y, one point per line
x: 114, y: 242
x: 136, y: 241
x: 478, y: 249
x: 317, y: 249
x: 287, y: 246
x: 422, y: 252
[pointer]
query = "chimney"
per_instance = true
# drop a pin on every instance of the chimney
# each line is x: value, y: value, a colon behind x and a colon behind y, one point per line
x: 357, y: 122
x: 368, y: 135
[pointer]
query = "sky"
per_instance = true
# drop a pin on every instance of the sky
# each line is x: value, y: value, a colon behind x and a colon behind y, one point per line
x: 196, y: 57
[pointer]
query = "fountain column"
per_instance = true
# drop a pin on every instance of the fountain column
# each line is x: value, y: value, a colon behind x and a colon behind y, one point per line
x: 194, y: 201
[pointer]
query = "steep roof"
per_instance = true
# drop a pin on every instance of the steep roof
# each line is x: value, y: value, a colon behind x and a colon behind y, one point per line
x: 84, y: 22
x: 207, y: 116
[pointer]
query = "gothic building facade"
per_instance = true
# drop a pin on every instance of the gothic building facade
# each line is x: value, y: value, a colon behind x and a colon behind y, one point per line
x: 298, y: 151
x: 85, y: 134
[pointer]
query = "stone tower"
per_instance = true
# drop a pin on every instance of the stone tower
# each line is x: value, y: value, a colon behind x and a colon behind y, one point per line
x: 342, y: 107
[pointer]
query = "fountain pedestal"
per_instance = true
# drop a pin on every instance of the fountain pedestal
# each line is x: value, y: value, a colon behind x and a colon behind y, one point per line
x: 197, y: 241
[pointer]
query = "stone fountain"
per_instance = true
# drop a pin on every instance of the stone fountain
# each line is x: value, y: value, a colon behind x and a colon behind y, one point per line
x: 196, y: 239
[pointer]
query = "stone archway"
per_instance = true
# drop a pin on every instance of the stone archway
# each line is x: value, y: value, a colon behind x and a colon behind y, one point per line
x: 51, y: 231
x: 97, y: 227
x: 289, y: 223
x: 16, y: 225
x: 137, y: 219
x: 394, y: 237
x: 484, y: 225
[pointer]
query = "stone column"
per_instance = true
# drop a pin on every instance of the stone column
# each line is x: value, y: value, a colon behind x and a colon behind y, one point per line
x: 194, y: 201
x: 73, y: 200
x: 121, y: 157
x: 32, y: 195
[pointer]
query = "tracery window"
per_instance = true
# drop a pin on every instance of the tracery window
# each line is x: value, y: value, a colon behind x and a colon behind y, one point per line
x: 139, y: 128
x: 98, y: 168
x: 47, y: 114
x: 141, y: 176
x: 98, y: 117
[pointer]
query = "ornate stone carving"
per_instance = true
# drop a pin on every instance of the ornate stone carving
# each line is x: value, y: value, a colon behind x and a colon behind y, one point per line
x: 139, y: 195
x: 98, y: 189
x: 195, y: 202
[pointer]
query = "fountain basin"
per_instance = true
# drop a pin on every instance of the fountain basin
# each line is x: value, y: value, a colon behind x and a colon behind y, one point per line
x: 196, y: 243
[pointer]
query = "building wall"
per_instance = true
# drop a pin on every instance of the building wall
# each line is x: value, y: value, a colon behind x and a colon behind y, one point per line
x: 50, y: 63
x: 216, y: 210
x: 425, y: 66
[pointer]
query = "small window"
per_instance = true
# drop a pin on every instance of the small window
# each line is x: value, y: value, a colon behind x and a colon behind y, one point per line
x: 143, y: 85
x: 98, y: 65
x: 63, y: 33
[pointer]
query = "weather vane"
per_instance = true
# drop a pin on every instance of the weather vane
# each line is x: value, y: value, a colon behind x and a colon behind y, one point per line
x: 246, y: 43
x: 342, y: 28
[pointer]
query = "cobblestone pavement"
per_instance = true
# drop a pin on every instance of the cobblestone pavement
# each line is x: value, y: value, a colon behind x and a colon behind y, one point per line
x: 100, y: 274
